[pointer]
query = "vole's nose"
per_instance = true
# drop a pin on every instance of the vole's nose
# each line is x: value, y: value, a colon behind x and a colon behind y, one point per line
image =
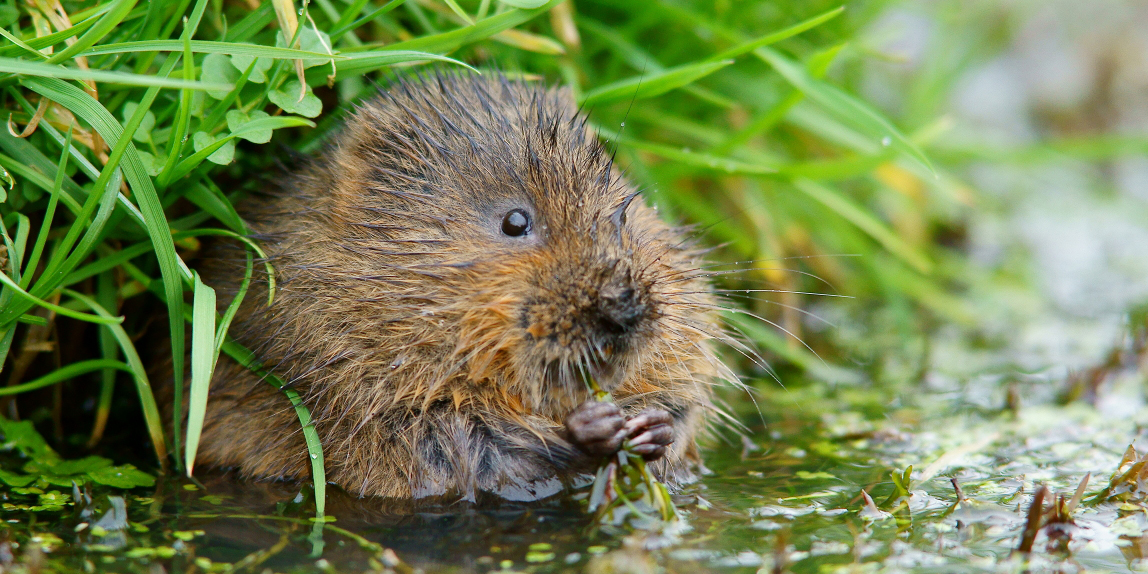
x: 621, y: 308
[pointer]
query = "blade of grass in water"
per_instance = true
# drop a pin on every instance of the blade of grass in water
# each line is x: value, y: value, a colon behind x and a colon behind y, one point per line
x: 245, y: 357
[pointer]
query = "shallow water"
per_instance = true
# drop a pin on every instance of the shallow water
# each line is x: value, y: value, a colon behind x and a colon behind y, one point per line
x: 789, y: 497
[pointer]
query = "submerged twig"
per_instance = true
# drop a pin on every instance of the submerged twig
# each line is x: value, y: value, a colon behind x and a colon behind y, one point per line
x: 1033, y: 523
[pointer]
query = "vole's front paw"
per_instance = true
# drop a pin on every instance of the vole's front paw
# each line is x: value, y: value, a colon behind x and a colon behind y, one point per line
x: 597, y: 428
x: 651, y: 431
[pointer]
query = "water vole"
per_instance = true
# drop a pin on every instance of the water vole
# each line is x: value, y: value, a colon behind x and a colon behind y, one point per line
x: 446, y: 270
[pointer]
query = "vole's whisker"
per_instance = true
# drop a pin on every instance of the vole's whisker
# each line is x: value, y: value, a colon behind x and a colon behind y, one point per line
x: 724, y: 291
x: 764, y: 320
x: 724, y: 272
x: 728, y: 340
x: 779, y: 304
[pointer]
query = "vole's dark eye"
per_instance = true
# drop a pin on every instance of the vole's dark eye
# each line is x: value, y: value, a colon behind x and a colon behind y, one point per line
x: 516, y: 223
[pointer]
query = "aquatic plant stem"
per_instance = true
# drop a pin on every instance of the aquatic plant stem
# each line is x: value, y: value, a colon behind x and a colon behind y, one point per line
x: 626, y: 479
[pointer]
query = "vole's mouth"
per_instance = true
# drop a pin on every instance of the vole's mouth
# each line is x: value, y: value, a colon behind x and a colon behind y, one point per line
x: 602, y: 367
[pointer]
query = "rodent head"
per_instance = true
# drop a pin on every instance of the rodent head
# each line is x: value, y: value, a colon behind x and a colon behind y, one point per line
x: 468, y: 236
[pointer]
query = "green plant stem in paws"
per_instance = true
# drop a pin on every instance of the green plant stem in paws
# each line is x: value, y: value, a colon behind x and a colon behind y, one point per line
x: 625, y: 489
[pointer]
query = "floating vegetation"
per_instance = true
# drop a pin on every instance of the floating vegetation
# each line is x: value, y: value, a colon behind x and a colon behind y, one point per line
x: 43, y: 468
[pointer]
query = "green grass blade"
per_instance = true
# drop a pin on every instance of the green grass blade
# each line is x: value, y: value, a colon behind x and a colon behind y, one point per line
x: 768, y: 118
x: 106, y: 296
x: 110, y: 259
x: 20, y: 293
x: 172, y: 269
x: 106, y: 262
x: 118, y: 10
x: 865, y: 221
x: 65, y: 373
x: 251, y: 24
x: 845, y: 107
x: 211, y: 47
x: 345, y: 25
x: 359, y: 63
x: 30, y: 50
x: 450, y: 41
x: 245, y: 357
x: 25, y: 68
x: 179, y: 132
x: 41, y: 42
x: 30, y: 173
x: 16, y: 248
x: 693, y: 159
x: 211, y: 200
x: 233, y: 307
x: 194, y: 160
x: 139, y: 374
x: 648, y: 86
x: 454, y: 7
x: 6, y: 342
x: 46, y: 225
x: 202, y: 366
x: 12, y: 143
x: 778, y: 36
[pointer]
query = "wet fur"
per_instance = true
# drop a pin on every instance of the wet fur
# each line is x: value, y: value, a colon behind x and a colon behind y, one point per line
x: 438, y: 356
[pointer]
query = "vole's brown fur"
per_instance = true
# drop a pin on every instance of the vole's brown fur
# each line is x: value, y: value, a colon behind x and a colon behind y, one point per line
x: 437, y: 354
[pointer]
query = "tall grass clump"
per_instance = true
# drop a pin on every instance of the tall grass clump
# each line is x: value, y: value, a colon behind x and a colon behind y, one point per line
x: 136, y: 128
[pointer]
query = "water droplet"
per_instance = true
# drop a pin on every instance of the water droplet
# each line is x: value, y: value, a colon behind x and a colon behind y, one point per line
x: 623, y: 124
x: 300, y: 11
x: 886, y: 141
x: 314, y: 456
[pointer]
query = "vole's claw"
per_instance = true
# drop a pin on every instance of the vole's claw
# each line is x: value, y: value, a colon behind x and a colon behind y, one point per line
x: 649, y: 451
x: 597, y: 427
x: 651, y: 432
